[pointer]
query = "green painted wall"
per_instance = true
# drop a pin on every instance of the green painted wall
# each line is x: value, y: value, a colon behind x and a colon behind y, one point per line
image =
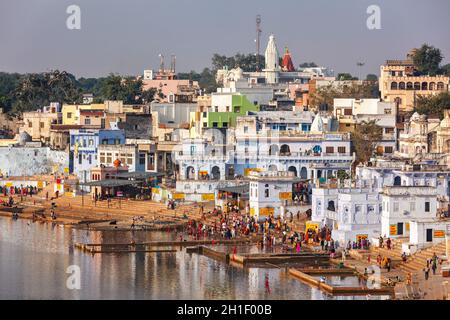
x: 240, y: 107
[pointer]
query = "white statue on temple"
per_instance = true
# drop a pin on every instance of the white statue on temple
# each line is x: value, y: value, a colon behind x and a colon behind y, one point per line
x: 272, y: 61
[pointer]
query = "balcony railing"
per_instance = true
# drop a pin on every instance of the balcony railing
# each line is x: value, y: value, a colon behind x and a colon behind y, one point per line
x: 264, y: 156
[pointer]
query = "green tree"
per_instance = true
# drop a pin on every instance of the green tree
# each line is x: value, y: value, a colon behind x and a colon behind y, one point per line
x: 111, y: 87
x: 206, y: 79
x: 160, y: 94
x: 8, y: 83
x: 63, y: 87
x: 131, y: 90
x: 433, y: 105
x: 427, y: 59
x: 308, y: 65
x: 342, y: 175
x: 148, y: 95
x: 128, y: 89
x: 345, y: 76
x: 325, y: 95
x: 36, y: 90
x: 364, y: 139
x: 246, y: 62
x: 91, y: 85
x: 445, y: 69
x: 193, y: 75
x: 220, y: 61
x: 372, y: 77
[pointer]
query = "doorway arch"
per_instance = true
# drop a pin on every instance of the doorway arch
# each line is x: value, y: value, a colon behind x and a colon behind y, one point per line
x: 293, y: 169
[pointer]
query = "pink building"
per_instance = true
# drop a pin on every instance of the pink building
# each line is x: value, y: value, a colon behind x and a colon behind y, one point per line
x: 183, y: 91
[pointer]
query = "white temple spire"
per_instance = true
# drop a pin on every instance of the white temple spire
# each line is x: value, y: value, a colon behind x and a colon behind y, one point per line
x: 272, y: 61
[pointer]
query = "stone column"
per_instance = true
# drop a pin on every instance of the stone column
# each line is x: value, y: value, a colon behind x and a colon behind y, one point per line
x: 196, y: 174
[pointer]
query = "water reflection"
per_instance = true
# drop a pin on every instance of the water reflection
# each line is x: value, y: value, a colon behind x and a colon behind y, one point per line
x: 34, y: 258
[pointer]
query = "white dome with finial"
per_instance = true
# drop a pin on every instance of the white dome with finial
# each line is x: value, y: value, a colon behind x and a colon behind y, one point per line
x: 317, y: 125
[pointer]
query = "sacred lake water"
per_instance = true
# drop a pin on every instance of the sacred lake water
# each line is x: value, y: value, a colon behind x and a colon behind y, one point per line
x: 34, y: 259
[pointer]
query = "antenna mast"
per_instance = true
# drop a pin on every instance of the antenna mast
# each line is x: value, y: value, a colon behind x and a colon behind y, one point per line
x: 258, y: 40
x: 161, y: 62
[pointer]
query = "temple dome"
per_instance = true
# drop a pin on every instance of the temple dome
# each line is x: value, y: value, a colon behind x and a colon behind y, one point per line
x: 286, y: 64
x: 23, y: 138
x: 416, y: 117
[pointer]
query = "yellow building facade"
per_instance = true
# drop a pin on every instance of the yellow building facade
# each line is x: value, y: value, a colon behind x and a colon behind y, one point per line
x: 71, y: 112
x: 398, y: 84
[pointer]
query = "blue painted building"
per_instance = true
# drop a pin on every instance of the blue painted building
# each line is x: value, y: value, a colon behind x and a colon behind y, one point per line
x: 84, y: 149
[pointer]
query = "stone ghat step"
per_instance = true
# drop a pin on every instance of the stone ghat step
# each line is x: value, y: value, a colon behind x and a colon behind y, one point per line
x: 408, y: 268
x: 167, y: 243
x: 388, y: 252
x: 425, y: 256
x: 131, y: 251
x: 133, y: 208
x: 255, y: 259
x: 335, y: 290
x: 418, y: 261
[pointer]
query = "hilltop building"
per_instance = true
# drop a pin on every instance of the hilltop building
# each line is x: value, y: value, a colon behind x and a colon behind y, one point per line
x: 400, y: 83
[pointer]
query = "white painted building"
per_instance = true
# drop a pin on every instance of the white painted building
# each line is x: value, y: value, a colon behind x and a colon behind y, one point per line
x: 265, y: 141
x: 415, y: 138
x: 427, y: 232
x: 351, y: 213
x: 403, y: 204
x: 271, y: 194
x: 203, y: 166
x: 355, y: 107
x: 31, y: 160
x: 272, y: 75
x: 388, y: 173
x: 310, y: 154
x: 352, y: 112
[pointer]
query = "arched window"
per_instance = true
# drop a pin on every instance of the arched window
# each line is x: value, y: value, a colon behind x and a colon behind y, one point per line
x: 215, y: 172
x: 303, y: 173
x: 401, y: 86
x: 394, y: 85
x: 293, y: 169
x: 440, y: 86
x: 319, y: 174
x: 190, y: 173
x: 409, y: 86
x: 397, y: 181
x: 266, y: 191
x: 432, y: 86
x: 416, y: 85
x: 331, y: 205
x: 273, y: 150
x: 424, y: 85
x: 285, y: 150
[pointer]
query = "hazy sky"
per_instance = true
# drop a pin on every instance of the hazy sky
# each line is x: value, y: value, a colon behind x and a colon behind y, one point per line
x: 127, y: 36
